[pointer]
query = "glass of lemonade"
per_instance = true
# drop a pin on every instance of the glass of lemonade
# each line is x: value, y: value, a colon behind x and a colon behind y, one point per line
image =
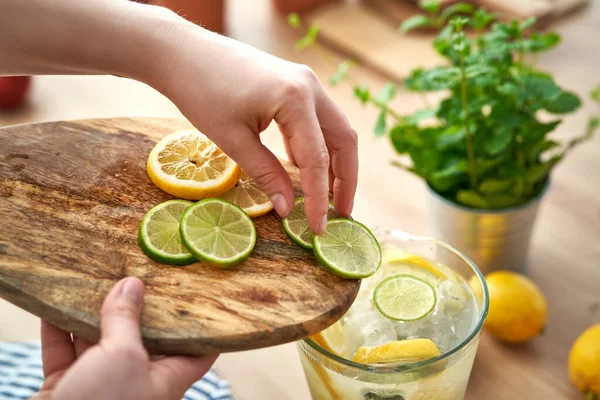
x: 416, y: 352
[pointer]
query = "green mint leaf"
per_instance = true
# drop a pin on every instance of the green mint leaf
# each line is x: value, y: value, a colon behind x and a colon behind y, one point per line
x: 494, y: 185
x: 541, y: 147
x: 398, y: 137
x: 426, y: 160
x: 294, y: 20
x: 421, y: 115
x: 458, y: 8
x: 435, y: 79
x: 502, y: 201
x: 414, y: 22
x: 381, y: 124
x: 431, y: 6
x: 528, y: 23
x: 481, y: 19
x: 471, y: 198
x: 341, y: 72
x: 452, y: 135
x: 313, y: 31
x: 595, y: 93
x: 387, y: 93
x: 540, y: 172
x: 362, y: 93
x: 541, y: 87
x: 564, y: 103
x: 498, y: 141
x: 309, y: 38
x: 445, y: 178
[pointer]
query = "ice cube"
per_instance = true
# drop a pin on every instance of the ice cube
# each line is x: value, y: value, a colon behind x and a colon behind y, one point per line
x: 378, y: 331
x: 452, y: 298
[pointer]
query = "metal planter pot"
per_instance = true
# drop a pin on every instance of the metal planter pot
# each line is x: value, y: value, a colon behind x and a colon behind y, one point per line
x: 493, y: 239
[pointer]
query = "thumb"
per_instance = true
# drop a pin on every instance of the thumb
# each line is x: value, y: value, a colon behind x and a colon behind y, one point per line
x: 120, y: 314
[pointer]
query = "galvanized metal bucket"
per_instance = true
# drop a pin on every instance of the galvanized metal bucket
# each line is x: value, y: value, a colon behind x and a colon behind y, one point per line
x: 493, y: 239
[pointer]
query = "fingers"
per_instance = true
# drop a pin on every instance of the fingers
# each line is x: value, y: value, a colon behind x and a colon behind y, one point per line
x: 263, y: 166
x: 179, y: 373
x: 342, y: 142
x: 300, y: 124
x: 57, y: 349
x: 120, y: 314
x: 81, y: 345
x: 286, y: 144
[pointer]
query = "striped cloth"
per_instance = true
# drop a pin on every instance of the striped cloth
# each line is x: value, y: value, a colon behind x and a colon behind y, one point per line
x: 21, y: 375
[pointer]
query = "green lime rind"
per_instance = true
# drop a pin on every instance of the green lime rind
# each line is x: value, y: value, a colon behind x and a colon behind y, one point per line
x: 348, y: 249
x: 218, y: 232
x: 393, y: 295
x: 159, y: 237
x: 296, y: 226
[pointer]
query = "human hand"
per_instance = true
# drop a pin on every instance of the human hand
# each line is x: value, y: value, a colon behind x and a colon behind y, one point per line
x: 118, y: 367
x: 231, y: 92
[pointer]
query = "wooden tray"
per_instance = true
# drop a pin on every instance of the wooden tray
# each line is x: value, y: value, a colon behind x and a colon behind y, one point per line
x: 72, y: 196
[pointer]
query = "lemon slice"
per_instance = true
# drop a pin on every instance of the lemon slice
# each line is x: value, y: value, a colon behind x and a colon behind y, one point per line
x: 332, y: 339
x: 402, y: 262
x: 412, y: 350
x: 188, y: 165
x: 247, y: 195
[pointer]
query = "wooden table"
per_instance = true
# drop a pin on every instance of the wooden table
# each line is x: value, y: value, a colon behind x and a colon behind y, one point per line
x: 566, y: 243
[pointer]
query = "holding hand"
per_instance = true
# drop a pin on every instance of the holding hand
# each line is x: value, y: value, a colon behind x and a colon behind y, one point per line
x: 118, y: 367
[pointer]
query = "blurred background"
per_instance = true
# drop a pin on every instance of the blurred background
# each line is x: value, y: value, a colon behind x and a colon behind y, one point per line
x: 565, y: 244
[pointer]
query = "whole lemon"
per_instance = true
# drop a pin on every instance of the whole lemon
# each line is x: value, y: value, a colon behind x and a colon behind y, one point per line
x: 517, y: 307
x: 584, y: 361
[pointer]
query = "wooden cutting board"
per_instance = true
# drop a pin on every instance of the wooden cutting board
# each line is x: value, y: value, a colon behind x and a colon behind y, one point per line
x: 72, y: 196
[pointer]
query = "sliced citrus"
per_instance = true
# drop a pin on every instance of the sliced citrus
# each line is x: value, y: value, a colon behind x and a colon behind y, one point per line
x: 296, y: 226
x: 403, y: 262
x: 332, y: 339
x: 189, y: 165
x: 412, y: 350
x: 248, y: 195
x: 218, y: 232
x: 348, y: 249
x: 404, y: 298
x: 159, y: 237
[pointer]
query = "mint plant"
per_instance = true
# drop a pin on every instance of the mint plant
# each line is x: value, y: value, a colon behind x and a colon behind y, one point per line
x: 487, y: 144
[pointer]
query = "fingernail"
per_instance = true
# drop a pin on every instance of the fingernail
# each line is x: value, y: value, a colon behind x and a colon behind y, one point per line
x: 323, y: 225
x: 280, y: 205
x: 134, y: 289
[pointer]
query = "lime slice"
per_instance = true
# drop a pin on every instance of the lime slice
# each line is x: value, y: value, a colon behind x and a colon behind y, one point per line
x: 348, y: 249
x: 412, y: 350
x: 218, y: 232
x: 296, y: 226
x: 404, y: 298
x: 159, y: 237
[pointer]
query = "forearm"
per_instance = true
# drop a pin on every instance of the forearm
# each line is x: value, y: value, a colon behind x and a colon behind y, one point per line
x: 83, y: 37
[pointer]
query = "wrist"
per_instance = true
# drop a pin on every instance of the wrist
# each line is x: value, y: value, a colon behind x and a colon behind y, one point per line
x: 144, y: 50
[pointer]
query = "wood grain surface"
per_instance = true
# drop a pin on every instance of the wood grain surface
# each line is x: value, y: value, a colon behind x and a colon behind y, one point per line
x: 72, y: 196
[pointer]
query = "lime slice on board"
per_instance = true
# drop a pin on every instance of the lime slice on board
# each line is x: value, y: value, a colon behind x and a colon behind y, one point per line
x: 404, y: 298
x: 218, y: 232
x: 296, y: 226
x: 348, y: 249
x: 159, y: 237
x: 412, y: 350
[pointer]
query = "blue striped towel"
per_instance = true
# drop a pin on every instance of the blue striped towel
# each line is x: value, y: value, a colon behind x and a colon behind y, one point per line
x: 21, y: 375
